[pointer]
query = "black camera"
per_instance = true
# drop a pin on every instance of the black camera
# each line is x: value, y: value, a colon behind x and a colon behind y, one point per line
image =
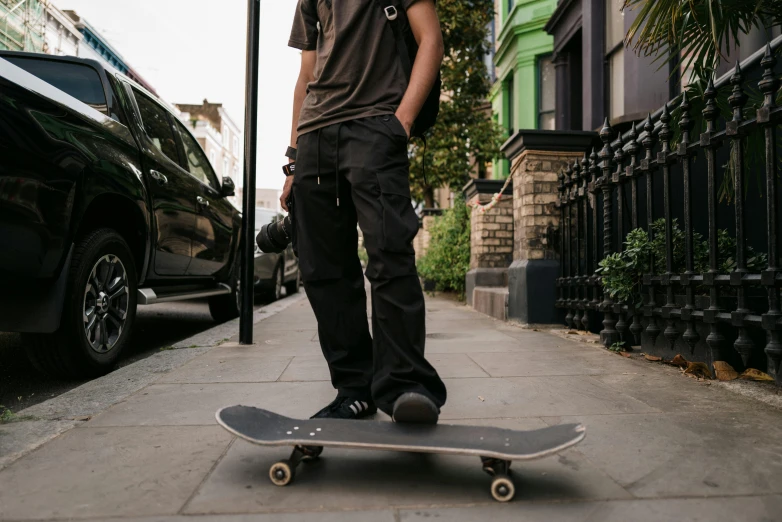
x: 275, y: 237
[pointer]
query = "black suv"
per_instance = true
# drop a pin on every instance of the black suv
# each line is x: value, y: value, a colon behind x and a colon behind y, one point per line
x: 106, y: 201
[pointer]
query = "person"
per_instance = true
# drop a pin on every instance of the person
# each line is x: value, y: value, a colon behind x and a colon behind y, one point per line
x: 353, y: 110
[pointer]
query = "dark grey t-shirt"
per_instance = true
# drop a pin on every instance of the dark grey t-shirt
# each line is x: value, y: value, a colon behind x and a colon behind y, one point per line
x: 358, y: 71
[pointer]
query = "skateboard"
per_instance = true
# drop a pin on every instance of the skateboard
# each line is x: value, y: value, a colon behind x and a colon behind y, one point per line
x: 497, y: 447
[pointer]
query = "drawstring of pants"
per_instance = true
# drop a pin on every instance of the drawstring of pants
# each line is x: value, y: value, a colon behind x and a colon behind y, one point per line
x: 317, y: 158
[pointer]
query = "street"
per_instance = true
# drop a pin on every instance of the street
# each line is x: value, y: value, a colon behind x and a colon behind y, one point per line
x: 157, y: 327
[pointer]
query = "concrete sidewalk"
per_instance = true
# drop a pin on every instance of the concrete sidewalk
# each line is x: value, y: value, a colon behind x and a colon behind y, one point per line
x: 658, y: 447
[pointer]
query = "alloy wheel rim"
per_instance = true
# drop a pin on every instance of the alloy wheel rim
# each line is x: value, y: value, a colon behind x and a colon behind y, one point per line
x: 106, y: 303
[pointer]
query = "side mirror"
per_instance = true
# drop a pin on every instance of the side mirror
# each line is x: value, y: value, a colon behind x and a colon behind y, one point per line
x: 229, y: 189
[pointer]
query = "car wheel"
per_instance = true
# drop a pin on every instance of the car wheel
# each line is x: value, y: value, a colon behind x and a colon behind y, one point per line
x: 98, y: 313
x: 274, y: 291
x: 226, y: 307
x: 293, y: 286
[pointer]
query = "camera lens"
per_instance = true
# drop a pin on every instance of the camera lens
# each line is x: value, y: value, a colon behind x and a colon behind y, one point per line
x: 275, y: 237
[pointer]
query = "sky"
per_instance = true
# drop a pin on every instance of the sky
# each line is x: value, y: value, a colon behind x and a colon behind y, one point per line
x: 195, y: 49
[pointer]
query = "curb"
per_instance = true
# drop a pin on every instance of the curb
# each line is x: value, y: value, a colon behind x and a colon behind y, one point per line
x: 58, y: 415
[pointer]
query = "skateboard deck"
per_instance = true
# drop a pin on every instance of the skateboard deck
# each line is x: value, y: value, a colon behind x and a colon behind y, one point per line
x: 497, y: 447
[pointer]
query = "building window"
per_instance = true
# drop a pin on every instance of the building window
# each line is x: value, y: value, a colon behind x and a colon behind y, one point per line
x: 225, y: 167
x: 213, y: 158
x: 510, y: 5
x: 615, y: 57
x: 547, y: 89
x: 489, y: 58
x: 236, y: 146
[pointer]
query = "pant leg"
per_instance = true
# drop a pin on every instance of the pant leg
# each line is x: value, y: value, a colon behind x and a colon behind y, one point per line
x: 326, y: 242
x: 375, y: 158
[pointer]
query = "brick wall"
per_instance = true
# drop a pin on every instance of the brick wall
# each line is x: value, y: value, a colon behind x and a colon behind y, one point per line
x: 534, y: 201
x: 422, y: 239
x: 491, y: 233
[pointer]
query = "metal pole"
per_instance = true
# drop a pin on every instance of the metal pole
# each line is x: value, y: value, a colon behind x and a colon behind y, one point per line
x: 250, y: 156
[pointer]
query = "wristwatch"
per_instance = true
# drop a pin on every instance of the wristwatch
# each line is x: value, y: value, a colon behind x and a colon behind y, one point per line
x: 291, y: 153
x: 289, y: 169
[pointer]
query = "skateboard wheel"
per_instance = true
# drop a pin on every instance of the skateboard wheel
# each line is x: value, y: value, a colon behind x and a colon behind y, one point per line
x: 502, y: 488
x: 281, y: 473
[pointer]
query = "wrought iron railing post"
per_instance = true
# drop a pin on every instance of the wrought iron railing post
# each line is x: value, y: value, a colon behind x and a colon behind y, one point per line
x: 561, y: 202
x: 569, y: 248
x: 769, y: 85
x: 576, y: 277
x: 664, y: 159
x: 594, y: 189
x: 584, y: 282
x: 632, y: 172
x: 618, y: 181
x: 690, y: 335
x: 608, y: 334
x: 711, y: 315
x: 652, y: 330
x: 743, y: 344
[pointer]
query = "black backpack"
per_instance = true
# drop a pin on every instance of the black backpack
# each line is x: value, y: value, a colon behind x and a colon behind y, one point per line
x: 407, y: 48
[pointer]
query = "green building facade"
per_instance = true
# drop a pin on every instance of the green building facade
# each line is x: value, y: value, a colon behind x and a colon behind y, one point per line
x: 524, y: 91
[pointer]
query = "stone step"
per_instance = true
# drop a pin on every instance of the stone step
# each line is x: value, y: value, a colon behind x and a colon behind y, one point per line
x: 491, y: 300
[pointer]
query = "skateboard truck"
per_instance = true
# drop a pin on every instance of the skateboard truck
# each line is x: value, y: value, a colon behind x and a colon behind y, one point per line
x: 502, y: 488
x: 281, y: 473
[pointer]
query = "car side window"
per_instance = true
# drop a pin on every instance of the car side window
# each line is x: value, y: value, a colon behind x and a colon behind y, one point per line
x: 157, y: 125
x: 197, y: 164
x: 78, y: 80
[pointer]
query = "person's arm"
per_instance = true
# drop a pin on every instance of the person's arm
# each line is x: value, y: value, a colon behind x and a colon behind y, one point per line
x: 306, y: 76
x: 426, y: 29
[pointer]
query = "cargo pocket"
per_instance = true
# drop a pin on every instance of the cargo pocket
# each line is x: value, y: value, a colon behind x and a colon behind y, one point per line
x: 400, y: 222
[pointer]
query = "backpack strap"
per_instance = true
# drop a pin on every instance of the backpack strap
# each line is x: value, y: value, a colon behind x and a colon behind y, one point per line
x: 392, y: 11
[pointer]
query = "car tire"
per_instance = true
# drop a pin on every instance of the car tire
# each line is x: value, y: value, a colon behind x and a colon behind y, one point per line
x: 226, y: 307
x: 98, y: 313
x: 292, y: 287
x: 274, y: 291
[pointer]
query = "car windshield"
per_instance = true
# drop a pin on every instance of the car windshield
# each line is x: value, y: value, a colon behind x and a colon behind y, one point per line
x: 265, y: 216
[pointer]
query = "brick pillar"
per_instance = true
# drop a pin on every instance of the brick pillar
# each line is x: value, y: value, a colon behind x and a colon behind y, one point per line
x: 537, y: 157
x: 424, y: 236
x: 491, y: 235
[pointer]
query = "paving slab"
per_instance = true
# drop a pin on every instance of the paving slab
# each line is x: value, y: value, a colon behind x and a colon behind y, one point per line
x: 111, y: 472
x: 686, y: 454
x: 534, y: 397
x: 746, y: 509
x: 221, y: 367
x: 543, y: 363
x: 309, y: 516
x: 668, y: 390
x: 275, y: 347
x: 196, y: 404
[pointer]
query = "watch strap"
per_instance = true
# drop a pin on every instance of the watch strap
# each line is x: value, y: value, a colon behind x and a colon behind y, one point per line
x: 289, y: 169
x: 291, y: 153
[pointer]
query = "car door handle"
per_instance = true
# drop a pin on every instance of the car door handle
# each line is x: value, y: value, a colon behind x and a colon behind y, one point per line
x: 203, y: 201
x: 159, y: 177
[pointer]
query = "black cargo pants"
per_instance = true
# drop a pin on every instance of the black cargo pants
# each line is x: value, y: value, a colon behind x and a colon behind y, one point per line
x: 357, y: 171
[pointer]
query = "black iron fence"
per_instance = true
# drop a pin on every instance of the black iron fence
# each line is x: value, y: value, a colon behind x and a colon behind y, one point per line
x: 670, y: 232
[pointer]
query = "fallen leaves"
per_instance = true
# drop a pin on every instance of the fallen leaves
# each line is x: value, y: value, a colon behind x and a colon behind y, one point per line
x: 752, y: 374
x: 698, y: 370
x: 679, y: 361
x: 652, y: 358
x: 725, y: 371
x: 624, y: 354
